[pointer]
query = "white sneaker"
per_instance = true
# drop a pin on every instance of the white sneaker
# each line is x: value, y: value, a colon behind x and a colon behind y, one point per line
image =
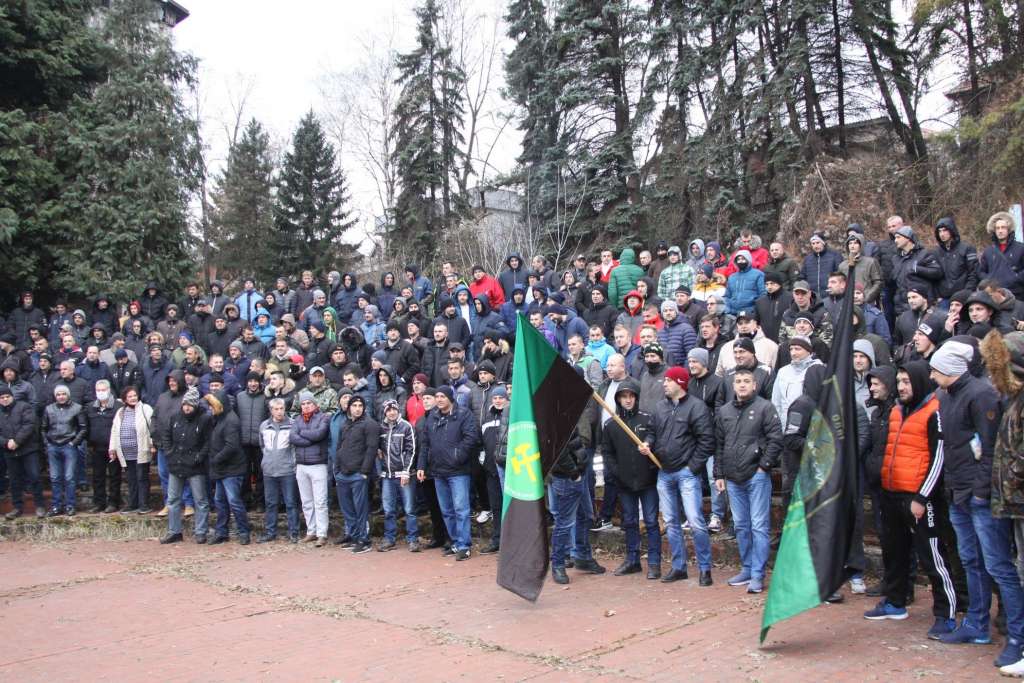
x: 483, y: 517
x: 1015, y: 670
x: 715, y: 525
x: 858, y: 586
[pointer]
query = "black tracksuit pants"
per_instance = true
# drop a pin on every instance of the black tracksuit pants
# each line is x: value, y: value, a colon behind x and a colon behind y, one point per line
x: 933, y: 540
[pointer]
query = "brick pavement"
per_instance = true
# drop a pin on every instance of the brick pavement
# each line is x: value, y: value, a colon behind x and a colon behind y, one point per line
x: 114, y: 610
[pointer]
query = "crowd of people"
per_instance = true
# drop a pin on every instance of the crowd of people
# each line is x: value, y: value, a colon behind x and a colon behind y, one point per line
x: 396, y: 395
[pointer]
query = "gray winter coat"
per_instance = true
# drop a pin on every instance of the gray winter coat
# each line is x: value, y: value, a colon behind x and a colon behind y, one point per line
x: 278, y: 451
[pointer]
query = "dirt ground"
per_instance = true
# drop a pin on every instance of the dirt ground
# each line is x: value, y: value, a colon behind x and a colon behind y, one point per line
x: 124, y: 610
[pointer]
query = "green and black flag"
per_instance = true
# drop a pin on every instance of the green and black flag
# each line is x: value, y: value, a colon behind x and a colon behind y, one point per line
x: 816, y: 536
x: 548, y: 397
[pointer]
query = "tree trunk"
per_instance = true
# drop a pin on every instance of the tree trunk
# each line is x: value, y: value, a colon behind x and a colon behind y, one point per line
x: 837, y: 55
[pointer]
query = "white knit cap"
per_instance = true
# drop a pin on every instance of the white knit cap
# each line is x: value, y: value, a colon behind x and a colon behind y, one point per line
x: 952, y: 358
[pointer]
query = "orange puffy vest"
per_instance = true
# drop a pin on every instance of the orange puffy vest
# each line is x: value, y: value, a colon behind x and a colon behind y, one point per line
x: 907, y: 453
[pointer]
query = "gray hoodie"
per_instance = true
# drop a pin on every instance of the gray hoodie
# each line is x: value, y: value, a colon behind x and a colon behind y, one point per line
x: 278, y: 452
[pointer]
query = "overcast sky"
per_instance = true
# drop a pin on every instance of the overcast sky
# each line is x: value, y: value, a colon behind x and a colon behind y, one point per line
x: 282, y: 52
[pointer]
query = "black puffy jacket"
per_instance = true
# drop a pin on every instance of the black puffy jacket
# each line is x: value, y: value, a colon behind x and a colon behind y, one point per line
x: 915, y: 269
x: 358, y: 446
x: 683, y: 434
x: 227, y: 459
x: 252, y: 411
x: 748, y: 436
x: 959, y: 262
x: 18, y: 422
x: 622, y: 461
x: 969, y: 407
x: 449, y: 442
x: 186, y: 443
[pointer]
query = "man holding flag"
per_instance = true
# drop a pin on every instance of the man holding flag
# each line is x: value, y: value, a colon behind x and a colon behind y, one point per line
x: 548, y: 399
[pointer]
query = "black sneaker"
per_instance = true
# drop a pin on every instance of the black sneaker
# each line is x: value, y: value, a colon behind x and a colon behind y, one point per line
x: 344, y: 541
x: 448, y: 550
x: 52, y: 512
x: 243, y: 540
x: 589, y: 567
x: 201, y: 540
x: 386, y: 546
x: 171, y: 538
x: 462, y: 555
x: 266, y: 539
x: 491, y: 548
x: 217, y: 540
x: 361, y: 547
x: 70, y: 512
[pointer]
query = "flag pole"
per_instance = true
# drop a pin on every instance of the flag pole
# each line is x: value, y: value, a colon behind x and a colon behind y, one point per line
x: 629, y: 432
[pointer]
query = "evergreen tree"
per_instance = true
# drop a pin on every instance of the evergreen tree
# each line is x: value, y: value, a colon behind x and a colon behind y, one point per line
x: 51, y: 54
x: 310, y: 216
x: 243, y: 216
x: 429, y: 119
x: 132, y: 158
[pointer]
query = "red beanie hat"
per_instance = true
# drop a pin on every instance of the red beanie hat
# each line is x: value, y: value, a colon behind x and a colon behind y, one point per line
x: 679, y: 375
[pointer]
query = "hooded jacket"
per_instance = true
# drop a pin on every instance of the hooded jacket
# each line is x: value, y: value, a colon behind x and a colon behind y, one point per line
x: 770, y: 308
x: 152, y: 306
x: 789, y: 385
x: 622, y: 461
x: 1003, y: 262
x: 510, y: 277
x: 487, y: 321
x: 510, y: 308
x: 345, y: 300
x: 631, y: 318
x: 624, y: 276
x: 695, y: 262
x: 386, y: 295
x: 745, y: 286
x: 602, y: 314
x: 186, y: 442
x: 866, y: 271
x: 106, y: 317
x: 969, y: 407
x: 959, y: 261
x: 489, y: 286
x: 227, y: 459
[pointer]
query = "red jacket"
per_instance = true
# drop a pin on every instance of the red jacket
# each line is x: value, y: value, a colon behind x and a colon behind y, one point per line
x: 489, y: 286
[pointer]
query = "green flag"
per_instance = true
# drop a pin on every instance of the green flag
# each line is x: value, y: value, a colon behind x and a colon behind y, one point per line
x: 816, y: 536
x: 548, y: 397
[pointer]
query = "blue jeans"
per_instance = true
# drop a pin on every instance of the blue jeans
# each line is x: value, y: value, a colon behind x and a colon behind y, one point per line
x: 719, y: 501
x: 571, y: 513
x: 164, y: 473
x: 275, y: 491
x: 228, y: 501
x: 63, y: 463
x: 81, y: 476
x: 684, y: 486
x: 391, y: 492
x: 751, y: 516
x: 453, y: 498
x: 175, y: 484
x: 984, y: 546
x: 354, y: 504
x: 632, y: 502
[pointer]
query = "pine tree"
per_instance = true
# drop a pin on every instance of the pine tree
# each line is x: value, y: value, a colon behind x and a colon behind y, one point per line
x: 52, y: 54
x: 243, y: 216
x: 429, y: 116
x: 310, y: 216
x: 132, y: 160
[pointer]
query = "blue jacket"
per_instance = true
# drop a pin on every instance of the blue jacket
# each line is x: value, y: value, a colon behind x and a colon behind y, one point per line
x: 572, y: 326
x: 817, y: 268
x: 876, y: 323
x: 310, y: 439
x: 677, y: 338
x: 602, y: 351
x: 154, y: 379
x: 246, y: 302
x: 509, y: 308
x: 486, y: 320
x: 449, y: 443
x: 743, y: 288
